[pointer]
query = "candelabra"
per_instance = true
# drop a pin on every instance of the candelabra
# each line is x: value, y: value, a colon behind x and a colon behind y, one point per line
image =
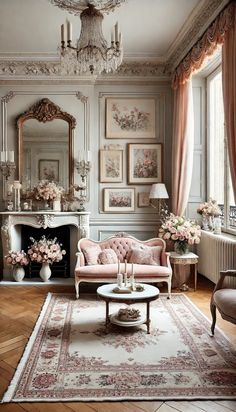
x: 83, y: 168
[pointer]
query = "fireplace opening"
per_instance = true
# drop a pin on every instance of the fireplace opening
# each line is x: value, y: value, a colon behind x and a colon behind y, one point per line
x: 62, y: 233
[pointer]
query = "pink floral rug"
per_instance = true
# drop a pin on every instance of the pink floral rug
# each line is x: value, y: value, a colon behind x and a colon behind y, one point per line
x: 70, y: 356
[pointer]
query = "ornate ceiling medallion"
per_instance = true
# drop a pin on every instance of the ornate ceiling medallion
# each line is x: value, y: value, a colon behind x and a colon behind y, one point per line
x: 77, y: 6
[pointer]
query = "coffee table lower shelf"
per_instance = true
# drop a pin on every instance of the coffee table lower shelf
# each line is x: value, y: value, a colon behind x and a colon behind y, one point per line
x: 127, y: 324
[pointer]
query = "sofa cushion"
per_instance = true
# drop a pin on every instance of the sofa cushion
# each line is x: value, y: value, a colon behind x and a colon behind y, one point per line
x: 110, y: 271
x: 145, y: 255
x: 107, y: 257
x: 91, y: 254
x: 225, y: 300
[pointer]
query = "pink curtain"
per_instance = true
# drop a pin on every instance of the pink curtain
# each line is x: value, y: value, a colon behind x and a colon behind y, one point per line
x: 182, y: 147
x: 229, y: 93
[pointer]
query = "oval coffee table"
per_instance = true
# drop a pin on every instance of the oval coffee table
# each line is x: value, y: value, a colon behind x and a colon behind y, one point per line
x: 149, y: 294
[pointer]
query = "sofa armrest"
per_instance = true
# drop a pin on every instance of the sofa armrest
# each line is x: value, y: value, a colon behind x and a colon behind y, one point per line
x: 80, y: 260
x: 165, y: 259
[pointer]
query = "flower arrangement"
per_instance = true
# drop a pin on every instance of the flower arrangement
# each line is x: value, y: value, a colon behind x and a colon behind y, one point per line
x: 18, y: 258
x: 46, y: 190
x: 209, y: 208
x: 45, y: 250
x: 182, y: 231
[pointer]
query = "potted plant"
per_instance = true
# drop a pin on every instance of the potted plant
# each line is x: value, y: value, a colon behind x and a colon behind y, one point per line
x: 47, y: 191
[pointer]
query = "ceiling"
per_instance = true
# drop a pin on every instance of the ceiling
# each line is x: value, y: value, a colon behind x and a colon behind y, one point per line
x: 153, y: 30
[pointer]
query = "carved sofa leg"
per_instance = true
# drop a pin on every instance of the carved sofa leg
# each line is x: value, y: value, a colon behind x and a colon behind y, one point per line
x: 77, y: 288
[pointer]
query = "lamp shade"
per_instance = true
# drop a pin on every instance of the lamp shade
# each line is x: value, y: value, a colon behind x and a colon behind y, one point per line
x: 158, y: 191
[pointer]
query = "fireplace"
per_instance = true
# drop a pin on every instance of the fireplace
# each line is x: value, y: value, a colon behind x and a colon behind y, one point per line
x: 62, y: 233
x: 69, y: 227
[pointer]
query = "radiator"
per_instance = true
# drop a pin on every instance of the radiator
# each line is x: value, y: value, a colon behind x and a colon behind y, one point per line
x: 216, y: 253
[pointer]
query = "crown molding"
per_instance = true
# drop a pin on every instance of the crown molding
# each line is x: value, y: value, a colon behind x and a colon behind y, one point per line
x: 196, y: 27
x: 134, y: 67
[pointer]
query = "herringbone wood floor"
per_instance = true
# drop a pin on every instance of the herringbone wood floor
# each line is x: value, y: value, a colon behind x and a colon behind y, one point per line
x: 19, y: 309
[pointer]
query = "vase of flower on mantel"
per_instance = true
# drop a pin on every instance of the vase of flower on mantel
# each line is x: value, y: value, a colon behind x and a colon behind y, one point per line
x: 45, y: 251
x: 47, y: 192
x: 18, y: 260
x: 210, y: 212
x: 183, y: 232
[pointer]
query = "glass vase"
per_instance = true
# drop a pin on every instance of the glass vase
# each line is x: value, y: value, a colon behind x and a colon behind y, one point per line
x: 181, y: 247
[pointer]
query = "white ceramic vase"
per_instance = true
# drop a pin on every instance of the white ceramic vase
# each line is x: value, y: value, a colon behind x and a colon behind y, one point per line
x: 45, y: 272
x: 18, y: 273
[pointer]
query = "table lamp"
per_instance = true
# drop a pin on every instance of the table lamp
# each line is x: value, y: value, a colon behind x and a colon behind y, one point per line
x: 157, y: 193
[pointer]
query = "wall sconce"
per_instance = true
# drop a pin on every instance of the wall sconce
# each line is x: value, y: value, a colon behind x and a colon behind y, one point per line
x: 157, y: 195
x: 83, y: 167
x: 7, y: 164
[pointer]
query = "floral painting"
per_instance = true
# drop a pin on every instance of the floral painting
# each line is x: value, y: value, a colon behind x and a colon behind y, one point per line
x: 49, y: 170
x: 119, y: 199
x: 111, y: 165
x: 145, y: 163
x: 130, y: 118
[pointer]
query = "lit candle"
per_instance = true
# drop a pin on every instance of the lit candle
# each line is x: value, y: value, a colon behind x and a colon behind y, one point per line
x: 116, y: 32
x: 62, y: 32
x: 69, y: 31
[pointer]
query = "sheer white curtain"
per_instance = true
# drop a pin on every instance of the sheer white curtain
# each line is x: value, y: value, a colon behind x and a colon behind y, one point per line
x: 182, y: 147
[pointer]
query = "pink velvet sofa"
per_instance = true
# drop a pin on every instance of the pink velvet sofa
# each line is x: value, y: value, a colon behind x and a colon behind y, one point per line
x: 153, y: 261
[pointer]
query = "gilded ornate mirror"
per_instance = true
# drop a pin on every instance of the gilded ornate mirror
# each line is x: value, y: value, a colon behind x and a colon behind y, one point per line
x: 45, y: 143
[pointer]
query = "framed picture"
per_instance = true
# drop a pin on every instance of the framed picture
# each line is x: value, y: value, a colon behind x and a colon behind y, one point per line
x: 130, y: 118
x: 48, y: 170
x: 111, y: 166
x: 119, y: 200
x: 143, y: 199
x: 145, y: 163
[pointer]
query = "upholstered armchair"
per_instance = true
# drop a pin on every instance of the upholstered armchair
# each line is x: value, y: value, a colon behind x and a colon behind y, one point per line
x: 224, y: 299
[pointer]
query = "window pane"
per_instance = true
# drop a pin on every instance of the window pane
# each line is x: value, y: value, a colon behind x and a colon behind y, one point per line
x: 216, y: 129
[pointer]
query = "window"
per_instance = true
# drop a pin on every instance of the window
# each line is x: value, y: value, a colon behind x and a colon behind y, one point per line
x: 219, y: 178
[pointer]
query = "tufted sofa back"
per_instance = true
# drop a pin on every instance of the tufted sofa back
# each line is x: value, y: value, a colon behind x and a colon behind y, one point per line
x: 122, y: 245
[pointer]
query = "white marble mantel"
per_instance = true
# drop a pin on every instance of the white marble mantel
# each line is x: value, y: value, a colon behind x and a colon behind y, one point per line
x: 11, y: 223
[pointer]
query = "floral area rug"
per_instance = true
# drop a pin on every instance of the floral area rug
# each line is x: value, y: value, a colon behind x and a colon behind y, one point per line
x: 70, y: 355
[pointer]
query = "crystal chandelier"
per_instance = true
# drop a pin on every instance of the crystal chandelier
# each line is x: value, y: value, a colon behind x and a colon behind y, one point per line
x: 91, y: 52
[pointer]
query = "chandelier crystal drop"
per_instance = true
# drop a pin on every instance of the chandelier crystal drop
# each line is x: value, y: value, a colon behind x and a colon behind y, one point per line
x: 91, y: 53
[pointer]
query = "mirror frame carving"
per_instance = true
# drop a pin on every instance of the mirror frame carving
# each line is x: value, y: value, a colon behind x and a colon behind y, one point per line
x: 46, y: 111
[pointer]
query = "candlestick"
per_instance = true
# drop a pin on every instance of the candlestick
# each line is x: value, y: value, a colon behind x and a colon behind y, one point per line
x: 69, y: 31
x: 119, y: 279
x: 125, y: 265
x: 118, y: 266
x: 116, y: 32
